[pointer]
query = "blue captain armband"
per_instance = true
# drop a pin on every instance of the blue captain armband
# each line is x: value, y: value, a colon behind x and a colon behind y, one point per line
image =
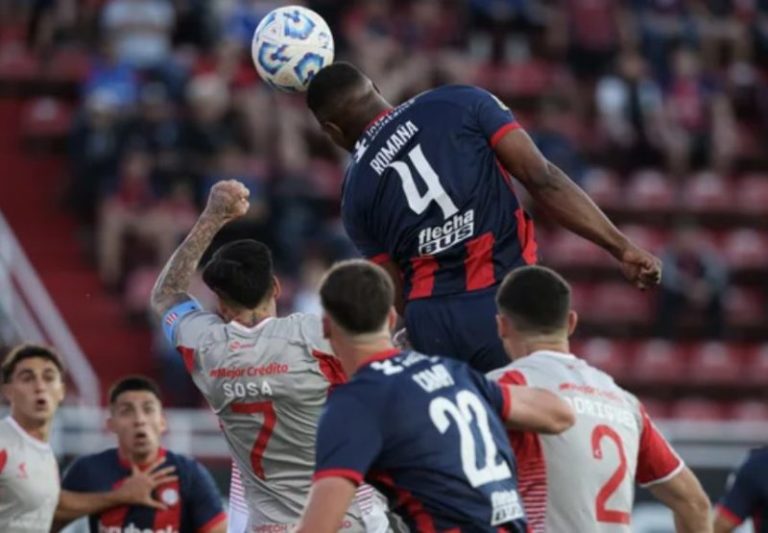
x: 172, y: 317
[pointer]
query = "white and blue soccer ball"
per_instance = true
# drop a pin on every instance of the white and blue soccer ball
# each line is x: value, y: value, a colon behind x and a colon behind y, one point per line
x: 290, y: 45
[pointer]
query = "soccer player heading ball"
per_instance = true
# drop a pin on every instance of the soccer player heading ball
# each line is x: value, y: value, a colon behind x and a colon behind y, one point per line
x: 428, y: 195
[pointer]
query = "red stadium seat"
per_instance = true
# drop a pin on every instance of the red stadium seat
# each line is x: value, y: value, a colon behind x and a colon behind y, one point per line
x: 581, y: 297
x: 746, y: 248
x: 17, y: 64
x: 620, y: 302
x: 659, y: 361
x: 603, y: 187
x: 69, y: 65
x: 715, y: 362
x: 650, y: 190
x: 757, y: 366
x: 744, y: 307
x: 750, y: 411
x: 46, y: 118
x: 699, y: 409
x: 706, y: 192
x: 752, y: 194
x: 609, y: 356
x: 656, y: 409
x: 565, y: 249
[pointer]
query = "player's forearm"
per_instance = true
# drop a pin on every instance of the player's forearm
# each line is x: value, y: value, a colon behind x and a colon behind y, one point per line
x: 573, y: 209
x: 73, y: 505
x: 687, y: 500
x: 539, y: 410
x: 177, y: 274
x: 693, y: 518
x: 328, y: 502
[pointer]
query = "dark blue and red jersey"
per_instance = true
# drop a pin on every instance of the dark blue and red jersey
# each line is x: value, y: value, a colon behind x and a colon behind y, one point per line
x: 425, y: 189
x: 193, y: 501
x: 747, y: 495
x: 426, y: 432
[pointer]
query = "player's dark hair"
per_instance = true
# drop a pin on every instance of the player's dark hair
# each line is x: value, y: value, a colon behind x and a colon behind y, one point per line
x: 330, y: 85
x: 132, y: 384
x: 26, y: 351
x: 241, y: 272
x: 535, y: 298
x: 358, y: 295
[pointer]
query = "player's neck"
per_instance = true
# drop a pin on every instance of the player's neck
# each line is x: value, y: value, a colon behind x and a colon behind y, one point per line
x: 37, y: 430
x: 252, y: 317
x: 543, y: 343
x: 354, y: 351
x: 140, y: 459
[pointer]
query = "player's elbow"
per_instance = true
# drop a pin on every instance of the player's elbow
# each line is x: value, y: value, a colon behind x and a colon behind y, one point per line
x: 562, y: 418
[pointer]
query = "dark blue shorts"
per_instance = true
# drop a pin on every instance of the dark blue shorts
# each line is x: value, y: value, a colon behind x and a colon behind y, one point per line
x: 461, y: 326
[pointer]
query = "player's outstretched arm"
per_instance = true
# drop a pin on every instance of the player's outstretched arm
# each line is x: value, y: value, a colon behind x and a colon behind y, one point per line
x: 687, y: 500
x: 535, y: 409
x: 328, y: 502
x: 572, y: 208
x: 135, y: 490
x: 227, y: 200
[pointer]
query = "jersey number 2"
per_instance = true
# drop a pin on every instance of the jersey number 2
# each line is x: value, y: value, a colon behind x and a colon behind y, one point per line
x: 435, y: 192
x: 467, y: 409
x: 270, y: 419
x: 609, y: 515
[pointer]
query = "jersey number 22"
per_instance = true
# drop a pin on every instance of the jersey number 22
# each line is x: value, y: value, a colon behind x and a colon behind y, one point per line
x: 468, y: 409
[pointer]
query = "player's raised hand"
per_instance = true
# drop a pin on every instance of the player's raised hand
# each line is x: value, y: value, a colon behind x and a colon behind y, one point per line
x: 137, y: 489
x: 640, y: 267
x: 228, y: 200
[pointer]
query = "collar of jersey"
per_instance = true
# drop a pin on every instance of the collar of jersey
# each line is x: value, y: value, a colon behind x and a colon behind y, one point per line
x: 125, y: 463
x: 377, y: 119
x: 552, y: 353
x: 379, y: 356
x: 238, y: 325
x: 37, y: 443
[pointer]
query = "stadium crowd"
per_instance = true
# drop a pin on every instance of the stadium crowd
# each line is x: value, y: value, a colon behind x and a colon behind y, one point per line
x: 659, y: 109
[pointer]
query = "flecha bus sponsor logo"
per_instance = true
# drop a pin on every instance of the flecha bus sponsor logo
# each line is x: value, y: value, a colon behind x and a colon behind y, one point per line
x: 271, y: 369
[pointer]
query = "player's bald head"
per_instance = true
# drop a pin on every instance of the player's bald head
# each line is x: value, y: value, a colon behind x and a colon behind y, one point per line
x: 344, y: 101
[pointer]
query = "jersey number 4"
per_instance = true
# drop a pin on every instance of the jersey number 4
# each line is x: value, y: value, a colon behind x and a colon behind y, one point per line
x: 602, y: 514
x: 435, y: 193
x: 468, y: 409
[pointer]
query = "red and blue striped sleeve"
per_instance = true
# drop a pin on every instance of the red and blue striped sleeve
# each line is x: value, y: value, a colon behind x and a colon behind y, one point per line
x: 743, y: 495
x: 202, y: 499
x: 493, y: 117
x: 349, y: 439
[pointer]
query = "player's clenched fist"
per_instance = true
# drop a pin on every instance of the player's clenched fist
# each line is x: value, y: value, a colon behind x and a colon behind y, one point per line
x: 227, y: 200
x: 640, y: 267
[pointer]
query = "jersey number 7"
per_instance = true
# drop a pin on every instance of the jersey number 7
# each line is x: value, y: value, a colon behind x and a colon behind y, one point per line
x: 270, y: 419
x: 435, y: 192
x: 468, y: 409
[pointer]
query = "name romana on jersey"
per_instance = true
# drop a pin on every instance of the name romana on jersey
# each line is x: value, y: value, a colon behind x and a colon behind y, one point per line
x: 396, y: 141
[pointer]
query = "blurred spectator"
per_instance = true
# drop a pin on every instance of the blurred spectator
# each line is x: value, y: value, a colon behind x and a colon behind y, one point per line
x: 631, y: 113
x: 554, y: 144
x: 695, y: 280
x: 307, y: 298
x: 133, y: 206
x: 109, y: 73
x: 700, y: 125
x: 140, y: 30
x: 95, y: 147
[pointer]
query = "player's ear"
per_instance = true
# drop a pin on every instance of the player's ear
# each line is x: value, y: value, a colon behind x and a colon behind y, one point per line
x: 392, y: 319
x: 573, y: 320
x: 503, y: 326
x: 326, y: 326
x: 110, y: 422
x: 276, y: 287
x: 334, y: 132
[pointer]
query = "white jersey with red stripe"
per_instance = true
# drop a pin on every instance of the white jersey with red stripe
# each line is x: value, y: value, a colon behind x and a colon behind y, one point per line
x: 584, y: 479
x: 29, y: 481
x: 268, y: 385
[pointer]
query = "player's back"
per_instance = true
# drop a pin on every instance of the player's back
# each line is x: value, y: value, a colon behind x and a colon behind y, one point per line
x: 442, y: 458
x: 583, y: 479
x: 29, y: 481
x: 268, y: 385
x: 425, y: 189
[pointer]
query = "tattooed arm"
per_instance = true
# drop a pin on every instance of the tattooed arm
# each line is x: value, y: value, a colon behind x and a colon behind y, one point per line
x: 228, y: 200
x: 572, y: 208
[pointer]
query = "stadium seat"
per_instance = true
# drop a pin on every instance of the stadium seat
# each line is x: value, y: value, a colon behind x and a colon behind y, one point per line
x: 650, y: 190
x: 707, y: 192
x: 566, y: 249
x: 746, y: 248
x: 17, y: 64
x: 757, y: 366
x: 68, y: 66
x: 659, y: 361
x: 699, y: 409
x: 715, y: 363
x: 645, y: 237
x: 744, y: 307
x: 656, y: 409
x: 581, y: 297
x: 620, y: 302
x: 603, y: 187
x: 610, y: 356
x: 749, y: 411
x: 752, y: 194
x: 46, y: 119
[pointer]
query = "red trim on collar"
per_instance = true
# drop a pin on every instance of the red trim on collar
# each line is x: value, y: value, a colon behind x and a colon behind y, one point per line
x: 379, y: 356
x: 378, y: 118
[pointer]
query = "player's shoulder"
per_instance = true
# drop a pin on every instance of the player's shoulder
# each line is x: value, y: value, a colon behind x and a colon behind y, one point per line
x: 97, y: 463
x: 758, y: 457
x: 453, y: 94
x: 185, y: 465
x: 296, y: 327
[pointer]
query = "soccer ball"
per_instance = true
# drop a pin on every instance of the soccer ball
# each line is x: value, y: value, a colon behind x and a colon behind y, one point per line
x: 289, y: 46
